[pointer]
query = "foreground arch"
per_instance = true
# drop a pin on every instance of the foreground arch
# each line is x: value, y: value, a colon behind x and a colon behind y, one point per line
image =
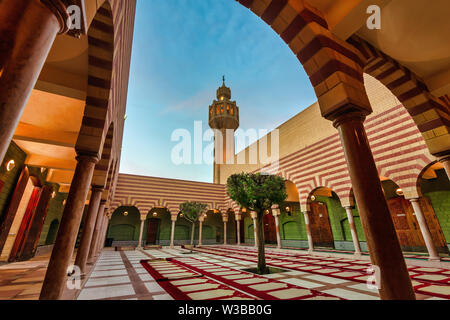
x: 335, y: 69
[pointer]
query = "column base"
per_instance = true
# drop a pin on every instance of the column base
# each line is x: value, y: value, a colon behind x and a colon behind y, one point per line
x: 357, y: 255
x: 83, y: 276
x: 434, y: 259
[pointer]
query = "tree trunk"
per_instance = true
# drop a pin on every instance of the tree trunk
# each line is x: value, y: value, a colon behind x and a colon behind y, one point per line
x: 192, y: 236
x: 262, y: 268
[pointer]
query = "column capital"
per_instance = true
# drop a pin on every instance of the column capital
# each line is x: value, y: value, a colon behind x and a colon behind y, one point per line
x: 59, y: 9
x: 253, y: 214
x: 87, y: 157
x: 95, y: 188
x: 339, y: 119
x: 276, y: 210
x: 173, y: 217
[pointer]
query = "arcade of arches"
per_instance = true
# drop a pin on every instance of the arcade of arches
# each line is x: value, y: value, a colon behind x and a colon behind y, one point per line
x: 366, y: 166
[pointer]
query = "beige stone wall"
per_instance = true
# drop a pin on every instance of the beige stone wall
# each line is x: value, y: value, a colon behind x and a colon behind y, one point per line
x: 309, y: 127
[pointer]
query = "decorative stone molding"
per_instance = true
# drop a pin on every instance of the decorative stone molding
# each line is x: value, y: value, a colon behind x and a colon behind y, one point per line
x: 276, y: 210
x: 59, y: 9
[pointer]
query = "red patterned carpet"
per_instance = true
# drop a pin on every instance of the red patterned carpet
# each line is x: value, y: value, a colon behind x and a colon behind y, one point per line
x: 430, y: 281
x: 191, y: 278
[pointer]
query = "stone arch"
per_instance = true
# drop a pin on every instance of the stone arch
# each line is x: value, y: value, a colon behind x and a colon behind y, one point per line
x: 434, y: 189
x: 306, y: 192
x: 124, y: 224
x: 333, y: 66
x: 104, y: 165
x: 430, y: 113
x: 107, y: 193
x: 322, y: 222
x: 94, y: 127
x: 112, y: 188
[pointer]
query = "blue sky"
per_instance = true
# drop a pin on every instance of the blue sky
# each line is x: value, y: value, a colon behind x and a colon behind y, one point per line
x: 181, y: 49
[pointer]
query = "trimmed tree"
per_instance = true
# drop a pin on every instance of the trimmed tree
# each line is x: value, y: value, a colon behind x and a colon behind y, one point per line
x: 257, y: 192
x: 192, y: 211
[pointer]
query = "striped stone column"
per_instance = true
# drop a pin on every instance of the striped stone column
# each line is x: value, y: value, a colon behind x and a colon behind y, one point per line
x: 102, y: 238
x: 173, y: 217
x: 28, y: 29
x: 432, y: 252
x: 351, y: 223
x: 276, y: 214
x: 308, y: 232
x: 200, y: 229
x: 141, y: 230
x: 381, y: 237
x: 225, y: 221
x: 88, y: 228
x: 56, y: 275
x: 96, y: 234
x: 238, y: 217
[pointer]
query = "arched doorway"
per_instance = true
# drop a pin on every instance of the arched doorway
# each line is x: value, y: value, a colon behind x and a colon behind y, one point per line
x: 19, y: 216
x: 434, y: 186
x: 405, y: 222
x: 319, y: 219
x: 270, y: 233
x: 154, y: 222
x: 152, y: 230
x: 124, y: 226
x: 292, y: 230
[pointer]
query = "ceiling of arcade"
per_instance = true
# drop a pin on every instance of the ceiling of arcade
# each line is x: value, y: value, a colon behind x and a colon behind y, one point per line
x: 50, y: 124
x: 414, y: 35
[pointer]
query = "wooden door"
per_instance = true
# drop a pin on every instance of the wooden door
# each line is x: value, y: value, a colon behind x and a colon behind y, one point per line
x: 13, y: 206
x: 406, y: 225
x: 218, y: 237
x: 152, y: 230
x: 433, y: 225
x: 34, y: 232
x: 270, y: 233
x: 25, y: 224
x: 320, y: 225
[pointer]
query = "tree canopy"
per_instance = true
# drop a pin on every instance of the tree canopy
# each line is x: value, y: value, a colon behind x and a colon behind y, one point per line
x: 192, y: 210
x: 256, y: 191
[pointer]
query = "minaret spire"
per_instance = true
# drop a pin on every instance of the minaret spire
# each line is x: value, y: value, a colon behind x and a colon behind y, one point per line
x: 224, y: 119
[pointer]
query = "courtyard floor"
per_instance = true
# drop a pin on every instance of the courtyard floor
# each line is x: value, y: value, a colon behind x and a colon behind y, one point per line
x: 216, y: 272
